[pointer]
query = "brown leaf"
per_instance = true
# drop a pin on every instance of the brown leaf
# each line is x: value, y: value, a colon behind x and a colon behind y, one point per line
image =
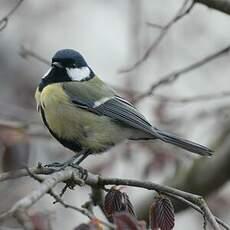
x: 94, y: 224
x: 128, y: 205
x: 161, y: 214
x: 15, y: 144
x: 117, y: 201
x: 142, y: 225
x: 124, y: 220
x: 41, y: 220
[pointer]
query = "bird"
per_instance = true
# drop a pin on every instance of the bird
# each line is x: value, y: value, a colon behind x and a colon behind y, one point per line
x: 87, y: 116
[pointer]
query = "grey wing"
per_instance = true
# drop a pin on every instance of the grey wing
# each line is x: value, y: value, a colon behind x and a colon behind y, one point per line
x: 120, y: 110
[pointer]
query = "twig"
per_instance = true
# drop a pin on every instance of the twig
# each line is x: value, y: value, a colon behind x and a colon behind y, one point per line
x: 48, y: 184
x: 195, y: 207
x: 198, y: 98
x: 23, y: 172
x: 154, y: 25
x: 9, y: 228
x: 173, y: 76
x: 180, y: 14
x: 4, y: 21
x: 207, y: 213
x: 60, y: 200
x: 26, y: 52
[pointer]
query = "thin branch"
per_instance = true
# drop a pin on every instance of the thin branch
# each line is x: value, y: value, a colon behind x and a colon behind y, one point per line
x: 48, y: 184
x: 220, y: 5
x: 26, y: 52
x: 195, y: 207
x: 154, y: 25
x: 207, y: 213
x: 23, y: 172
x: 58, y: 199
x: 180, y: 14
x: 173, y: 76
x: 167, y: 190
x: 9, y: 228
x: 4, y: 21
x: 198, y: 98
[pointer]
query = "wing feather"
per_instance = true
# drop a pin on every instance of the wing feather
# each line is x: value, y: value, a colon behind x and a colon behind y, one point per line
x: 102, y: 101
x: 117, y: 109
x: 121, y: 111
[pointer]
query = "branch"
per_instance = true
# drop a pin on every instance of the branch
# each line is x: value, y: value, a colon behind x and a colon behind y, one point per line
x: 4, y: 21
x: 23, y: 172
x: 26, y: 52
x: 196, y: 179
x: 199, y: 201
x: 164, y: 29
x: 198, y: 98
x: 220, y: 5
x: 99, y: 182
x: 48, y: 184
x: 58, y: 199
x: 195, y: 207
x: 173, y: 76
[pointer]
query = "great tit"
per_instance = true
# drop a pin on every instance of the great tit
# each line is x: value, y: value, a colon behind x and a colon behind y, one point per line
x: 87, y: 116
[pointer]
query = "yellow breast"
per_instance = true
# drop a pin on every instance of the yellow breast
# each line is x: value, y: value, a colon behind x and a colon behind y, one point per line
x: 56, y: 107
x: 52, y: 96
x: 73, y: 123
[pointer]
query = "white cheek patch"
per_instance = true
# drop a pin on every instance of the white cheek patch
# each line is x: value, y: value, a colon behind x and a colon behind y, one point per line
x: 47, y: 73
x: 78, y: 74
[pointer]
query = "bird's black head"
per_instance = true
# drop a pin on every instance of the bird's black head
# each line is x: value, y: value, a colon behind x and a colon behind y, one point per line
x: 67, y: 65
x: 69, y: 58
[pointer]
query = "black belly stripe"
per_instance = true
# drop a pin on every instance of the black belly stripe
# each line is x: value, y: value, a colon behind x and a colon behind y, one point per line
x: 73, y: 145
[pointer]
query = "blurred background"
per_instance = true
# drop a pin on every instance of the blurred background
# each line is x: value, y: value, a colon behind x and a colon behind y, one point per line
x: 112, y: 36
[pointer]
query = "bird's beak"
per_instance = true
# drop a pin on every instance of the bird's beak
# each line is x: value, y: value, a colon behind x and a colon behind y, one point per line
x: 57, y: 64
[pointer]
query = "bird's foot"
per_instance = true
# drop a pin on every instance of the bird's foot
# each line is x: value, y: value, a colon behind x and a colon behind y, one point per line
x: 73, y: 162
x: 83, y: 173
x: 65, y: 164
x: 55, y: 165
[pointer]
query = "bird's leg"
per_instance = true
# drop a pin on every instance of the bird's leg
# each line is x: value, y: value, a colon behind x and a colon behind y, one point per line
x: 66, y: 163
x: 82, y: 171
x: 82, y: 157
x: 74, y: 162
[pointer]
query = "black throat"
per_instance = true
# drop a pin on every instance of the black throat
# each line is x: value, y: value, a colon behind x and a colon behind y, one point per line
x: 56, y: 75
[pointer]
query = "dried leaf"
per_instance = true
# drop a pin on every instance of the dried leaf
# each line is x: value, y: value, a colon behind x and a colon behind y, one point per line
x: 161, y: 214
x: 128, y: 205
x: 82, y: 227
x: 94, y: 224
x: 142, y: 225
x: 124, y: 220
x: 41, y: 220
x: 117, y: 201
x: 15, y: 148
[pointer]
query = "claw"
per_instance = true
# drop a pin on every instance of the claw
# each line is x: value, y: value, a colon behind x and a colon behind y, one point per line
x: 73, y: 162
x: 83, y: 172
x: 55, y: 164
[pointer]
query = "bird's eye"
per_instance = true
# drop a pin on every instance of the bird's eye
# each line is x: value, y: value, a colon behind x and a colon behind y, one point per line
x: 73, y: 65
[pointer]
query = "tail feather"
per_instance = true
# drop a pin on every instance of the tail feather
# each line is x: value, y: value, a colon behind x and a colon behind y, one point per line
x: 185, y: 144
